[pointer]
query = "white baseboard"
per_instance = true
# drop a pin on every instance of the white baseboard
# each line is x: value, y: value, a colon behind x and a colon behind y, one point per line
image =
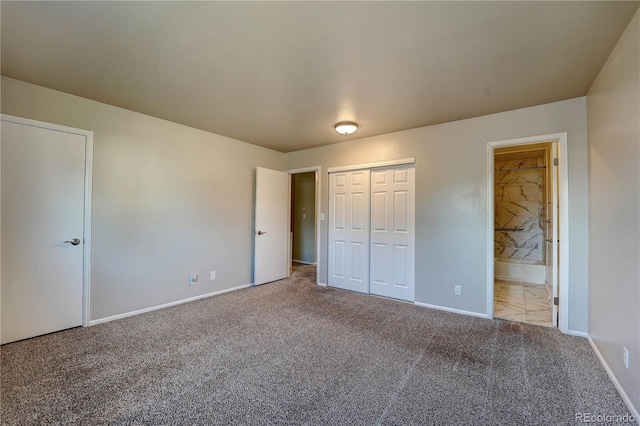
x: 323, y: 285
x: 577, y: 333
x: 302, y: 261
x: 616, y: 383
x: 455, y: 311
x: 165, y: 305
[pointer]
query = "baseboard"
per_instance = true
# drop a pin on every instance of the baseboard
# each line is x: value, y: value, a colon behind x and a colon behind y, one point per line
x: 455, y: 311
x: 303, y: 262
x: 165, y: 305
x: 615, y: 381
x: 323, y: 285
x: 577, y: 333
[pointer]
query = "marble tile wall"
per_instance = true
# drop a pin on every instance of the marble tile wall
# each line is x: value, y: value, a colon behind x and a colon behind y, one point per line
x: 519, y: 198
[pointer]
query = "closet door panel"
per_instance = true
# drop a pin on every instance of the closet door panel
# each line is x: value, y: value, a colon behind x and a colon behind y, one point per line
x: 349, y: 230
x: 392, y: 269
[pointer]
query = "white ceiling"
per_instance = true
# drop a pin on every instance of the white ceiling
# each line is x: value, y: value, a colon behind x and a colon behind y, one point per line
x: 280, y: 74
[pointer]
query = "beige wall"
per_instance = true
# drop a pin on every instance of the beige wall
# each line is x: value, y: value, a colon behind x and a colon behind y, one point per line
x: 613, y: 111
x: 451, y: 197
x: 165, y: 191
x: 168, y: 200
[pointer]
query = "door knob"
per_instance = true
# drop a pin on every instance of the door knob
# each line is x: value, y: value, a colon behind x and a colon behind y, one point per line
x: 260, y: 232
x: 73, y: 242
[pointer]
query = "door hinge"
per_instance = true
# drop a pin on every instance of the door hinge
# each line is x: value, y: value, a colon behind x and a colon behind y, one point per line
x: 556, y: 301
x: 555, y: 161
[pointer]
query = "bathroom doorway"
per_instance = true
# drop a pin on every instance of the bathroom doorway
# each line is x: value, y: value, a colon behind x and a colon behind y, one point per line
x: 525, y: 189
x: 522, y: 195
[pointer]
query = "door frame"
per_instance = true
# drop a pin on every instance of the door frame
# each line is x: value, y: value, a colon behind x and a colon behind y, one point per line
x: 563, y: 219
x: 88, y: 179
x: 318, y: 171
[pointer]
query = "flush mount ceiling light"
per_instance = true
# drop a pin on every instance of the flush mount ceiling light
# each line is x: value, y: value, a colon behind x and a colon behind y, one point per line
x: 346, y: 127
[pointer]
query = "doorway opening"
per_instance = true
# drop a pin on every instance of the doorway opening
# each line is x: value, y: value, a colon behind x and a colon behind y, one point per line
x: 304, y: 216
x: 523, y: 198
x: 527, y: 205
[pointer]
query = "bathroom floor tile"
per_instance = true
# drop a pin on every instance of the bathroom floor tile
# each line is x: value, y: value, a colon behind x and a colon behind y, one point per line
x: 537, y: 305
x: 511, y: 307
x: 539, y: 316
x: 523, y: 302
x: 535, y: 291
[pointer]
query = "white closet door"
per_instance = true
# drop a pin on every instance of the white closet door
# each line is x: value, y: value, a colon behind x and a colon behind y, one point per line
x: 392, y: 232
x: 349, y: 197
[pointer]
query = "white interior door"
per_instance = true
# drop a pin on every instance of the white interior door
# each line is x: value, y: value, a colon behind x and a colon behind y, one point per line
x: 552, y: 258
x: 271, y: 236
x: 43, y: 175
x: 392, y: 232
x: 349, y: 197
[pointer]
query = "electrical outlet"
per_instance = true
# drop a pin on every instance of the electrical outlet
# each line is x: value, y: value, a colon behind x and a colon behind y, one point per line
x: 212, y: 276
x: 193, y: 279
x: 625, y: 357
x: 457, y: 290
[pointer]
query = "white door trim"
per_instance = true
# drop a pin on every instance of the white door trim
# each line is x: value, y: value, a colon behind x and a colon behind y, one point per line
x: 318, y: 172
x: 88, y: 177
x: 373, y: 165
x: 563, y: 219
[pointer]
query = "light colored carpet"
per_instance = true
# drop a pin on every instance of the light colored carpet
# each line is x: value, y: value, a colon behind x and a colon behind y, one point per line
x: 290, y: 352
